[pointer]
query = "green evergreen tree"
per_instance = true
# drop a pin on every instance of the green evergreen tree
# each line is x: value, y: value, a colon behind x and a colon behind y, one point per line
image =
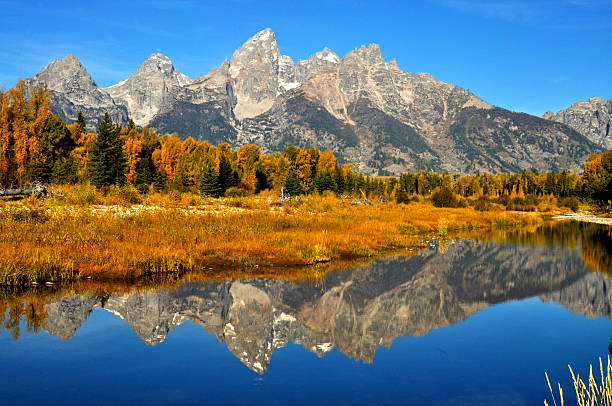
x: 228, y: 177
x: 108, y: 162
x: 292, y: 184
x: 81, y: 121
x: 209, y: 183
x: 339, y: 180
x: 349, y: 183
x: 360, y: 184
x: 183, y: 181
x: 64, y: 171
x: 131, y: 126
x: 55, y: 142
x: 145, y: 175
x: 160, y: 180
x: 323, y: 181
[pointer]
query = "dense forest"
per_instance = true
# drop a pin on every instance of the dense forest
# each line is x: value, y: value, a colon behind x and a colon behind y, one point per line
x: 36, y: 145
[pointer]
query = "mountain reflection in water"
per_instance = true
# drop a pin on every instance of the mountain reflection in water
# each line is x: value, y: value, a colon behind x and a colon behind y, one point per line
x: 358, y: 310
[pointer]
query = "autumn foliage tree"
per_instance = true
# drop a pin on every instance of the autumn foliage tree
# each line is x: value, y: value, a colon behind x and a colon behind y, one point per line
x: 597, y: 178
x: 132, y: 149
x: 24, y: 115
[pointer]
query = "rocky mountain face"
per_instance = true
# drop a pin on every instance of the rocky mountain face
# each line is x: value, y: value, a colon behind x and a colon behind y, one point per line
x: 591, y: 118
x: 354, y: 310
x: 155, y: 83
x: 589, y: 296
x: 254, y: 72
x: 72, y: 90
x: 367, y: 110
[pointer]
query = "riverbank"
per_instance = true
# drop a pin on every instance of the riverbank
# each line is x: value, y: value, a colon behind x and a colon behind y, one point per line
x: 55, y: 240
x: 584, y: 217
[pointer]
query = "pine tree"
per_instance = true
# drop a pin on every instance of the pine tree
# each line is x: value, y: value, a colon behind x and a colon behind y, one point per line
x: 339, y: 180
x: 160, y: 180
x: 209, y: 183
x: 293, y: 186
x: 64, y: 171
x: 54, y: 143
x: 227, y: 176
x: 323, y: 181
x: 108, y: 163
x: 145, y: 175
x: 81, y: 121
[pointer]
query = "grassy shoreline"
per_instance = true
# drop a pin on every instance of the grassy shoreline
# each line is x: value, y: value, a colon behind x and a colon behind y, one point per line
x: 57, y: 240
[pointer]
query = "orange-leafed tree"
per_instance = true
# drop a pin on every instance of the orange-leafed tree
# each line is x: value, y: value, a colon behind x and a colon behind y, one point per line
x: 82, y: 154
x: 597, y: 179
x: 171, y: 149
x: 327, y: 162
x: 132, y: 149
x: 247, y: 158
x: 19, y: 130
x: 6, y: 139
x: 23, y: 121
x: 304, y: 166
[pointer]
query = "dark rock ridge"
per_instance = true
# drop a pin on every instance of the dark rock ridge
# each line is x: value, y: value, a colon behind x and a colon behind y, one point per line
x: 367, y: 110
x: 591, y: 118
x: 354, y: 310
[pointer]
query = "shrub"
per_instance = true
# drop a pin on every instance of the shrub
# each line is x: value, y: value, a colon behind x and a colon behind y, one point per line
x: 522, y: 204
x: 130, y: 194
x: 482, y: 204
x: 402, y: 197
x: 235, y: 192
x: 570, y: 202
x: 444, y: 197
x: 504, y: 200
x: 532, y: 200
x: 82, y: 195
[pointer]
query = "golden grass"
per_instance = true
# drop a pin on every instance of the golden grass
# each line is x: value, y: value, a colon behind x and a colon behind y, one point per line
x: 595, y: 393
x: 62, y: 239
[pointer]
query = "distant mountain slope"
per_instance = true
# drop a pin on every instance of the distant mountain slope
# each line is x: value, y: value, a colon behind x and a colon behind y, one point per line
x: 591, y: 118
x: 367, y: 110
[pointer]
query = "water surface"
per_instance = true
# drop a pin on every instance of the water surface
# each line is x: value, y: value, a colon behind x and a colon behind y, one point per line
x: 474, y: 322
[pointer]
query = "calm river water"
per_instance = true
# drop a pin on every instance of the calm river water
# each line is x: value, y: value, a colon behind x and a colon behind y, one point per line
x: 473, y: 322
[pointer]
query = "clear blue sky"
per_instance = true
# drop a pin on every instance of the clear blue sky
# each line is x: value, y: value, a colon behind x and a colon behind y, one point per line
x: 522, y: 55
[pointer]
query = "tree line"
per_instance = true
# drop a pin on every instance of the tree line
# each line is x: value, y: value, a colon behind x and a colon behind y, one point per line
x: 36, y: 145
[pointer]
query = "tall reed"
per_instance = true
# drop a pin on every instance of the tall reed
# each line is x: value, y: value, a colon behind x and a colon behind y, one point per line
x: 594, y: 394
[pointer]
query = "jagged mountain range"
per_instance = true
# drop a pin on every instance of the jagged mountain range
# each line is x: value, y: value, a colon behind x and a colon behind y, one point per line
x: 367, y: 110
x: 591, y: 118
x: 354, y: 310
